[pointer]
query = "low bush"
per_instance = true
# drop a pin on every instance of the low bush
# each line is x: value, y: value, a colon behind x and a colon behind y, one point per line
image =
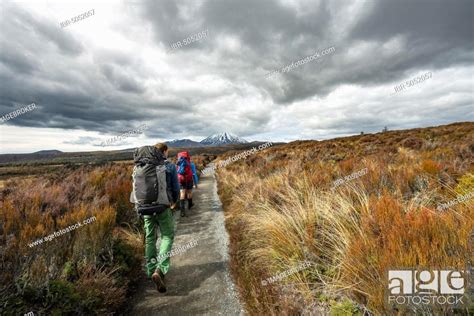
x: 281, y: 209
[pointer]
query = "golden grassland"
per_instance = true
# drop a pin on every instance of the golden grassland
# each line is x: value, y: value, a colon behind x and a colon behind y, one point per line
x: 87, y: 271
x: 282, y: 209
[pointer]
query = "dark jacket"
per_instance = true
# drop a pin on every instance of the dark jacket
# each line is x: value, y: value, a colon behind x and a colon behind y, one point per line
x: 172, y: 181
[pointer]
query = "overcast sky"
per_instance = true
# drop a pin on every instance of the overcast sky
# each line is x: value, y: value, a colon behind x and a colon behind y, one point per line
x: 114, y: 71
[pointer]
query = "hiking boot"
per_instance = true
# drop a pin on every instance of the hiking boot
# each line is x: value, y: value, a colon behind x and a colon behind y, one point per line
x: 159, y: 279
x: 183, y: 213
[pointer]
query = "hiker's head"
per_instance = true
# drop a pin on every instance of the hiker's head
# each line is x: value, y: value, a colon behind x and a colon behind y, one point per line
x: 163, y: 148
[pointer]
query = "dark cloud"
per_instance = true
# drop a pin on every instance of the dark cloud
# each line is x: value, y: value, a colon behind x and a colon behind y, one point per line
x: 15, y: 62
x: 28, y: 33
x: 437, y: 35
x: 448, y: 25
x: 265, y: 25
x: 219, y: 82
x: 273, y: 34
x: 121, y: 80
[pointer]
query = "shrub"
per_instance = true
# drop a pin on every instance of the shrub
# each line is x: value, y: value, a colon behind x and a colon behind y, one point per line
x: 283, y: 211
x: 35, y: 209
x: 344, y: 308
x: 85, y: 271
x: 430, y: 166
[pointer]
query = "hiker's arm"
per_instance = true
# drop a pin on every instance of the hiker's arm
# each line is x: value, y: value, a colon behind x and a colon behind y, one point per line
x: 174, y: 184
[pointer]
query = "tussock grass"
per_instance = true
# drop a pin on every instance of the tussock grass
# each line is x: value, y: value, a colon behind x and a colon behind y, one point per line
x: 281, y: 211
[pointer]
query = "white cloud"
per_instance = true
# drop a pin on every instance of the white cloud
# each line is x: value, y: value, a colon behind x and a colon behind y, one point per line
x: 112, y: 72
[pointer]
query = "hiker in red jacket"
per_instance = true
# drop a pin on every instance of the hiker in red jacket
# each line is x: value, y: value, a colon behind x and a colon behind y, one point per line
x: 185, y: 178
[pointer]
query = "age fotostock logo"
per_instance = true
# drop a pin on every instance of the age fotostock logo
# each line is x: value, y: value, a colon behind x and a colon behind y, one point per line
x: 426, y: 287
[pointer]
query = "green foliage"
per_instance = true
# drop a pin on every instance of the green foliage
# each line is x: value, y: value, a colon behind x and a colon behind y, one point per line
x: 323, y: 298
x: 69, y: 271
x: 465, y: 184
x: 13, y: 304
x: 344, y: 308
x: 124, y: 257
x: 61, y: 296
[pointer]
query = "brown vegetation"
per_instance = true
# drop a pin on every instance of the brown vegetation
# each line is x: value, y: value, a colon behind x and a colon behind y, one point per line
x: 86, y: 271
x: 281, y: 211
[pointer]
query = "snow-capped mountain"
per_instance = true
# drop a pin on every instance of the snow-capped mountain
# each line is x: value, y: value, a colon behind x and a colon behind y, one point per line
x: 222, y: 139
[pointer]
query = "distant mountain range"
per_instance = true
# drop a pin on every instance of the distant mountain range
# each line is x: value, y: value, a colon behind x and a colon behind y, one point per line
x: 38, y: 155
x: 215, y: 143
x: 213, y: 140
x: 48, y: 152
x: 183, y: 143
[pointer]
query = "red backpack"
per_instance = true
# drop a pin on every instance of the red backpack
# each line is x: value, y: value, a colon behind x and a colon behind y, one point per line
x: 183, y: 166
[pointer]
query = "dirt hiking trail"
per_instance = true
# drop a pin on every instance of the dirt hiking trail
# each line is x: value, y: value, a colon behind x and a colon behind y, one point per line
x: 198, y: 282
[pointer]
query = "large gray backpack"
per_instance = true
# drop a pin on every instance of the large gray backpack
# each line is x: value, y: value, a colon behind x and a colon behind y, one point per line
x: 150, y: 192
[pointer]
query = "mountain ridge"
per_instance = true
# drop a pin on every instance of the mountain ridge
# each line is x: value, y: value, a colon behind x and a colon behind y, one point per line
x: 185, y: 142
x: 217, y: 139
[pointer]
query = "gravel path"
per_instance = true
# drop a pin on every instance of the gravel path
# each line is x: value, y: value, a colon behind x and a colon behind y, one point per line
x: 198, y: 282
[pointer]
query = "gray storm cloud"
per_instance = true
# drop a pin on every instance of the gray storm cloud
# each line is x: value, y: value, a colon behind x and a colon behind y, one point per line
x: 218, y: 83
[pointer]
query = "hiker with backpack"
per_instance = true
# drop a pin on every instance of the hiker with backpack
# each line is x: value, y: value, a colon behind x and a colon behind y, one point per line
x: 155, y: 191
x: 187, y: 177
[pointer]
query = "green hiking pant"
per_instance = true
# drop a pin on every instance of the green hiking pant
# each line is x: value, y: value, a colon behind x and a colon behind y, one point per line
x: 165, y: 222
